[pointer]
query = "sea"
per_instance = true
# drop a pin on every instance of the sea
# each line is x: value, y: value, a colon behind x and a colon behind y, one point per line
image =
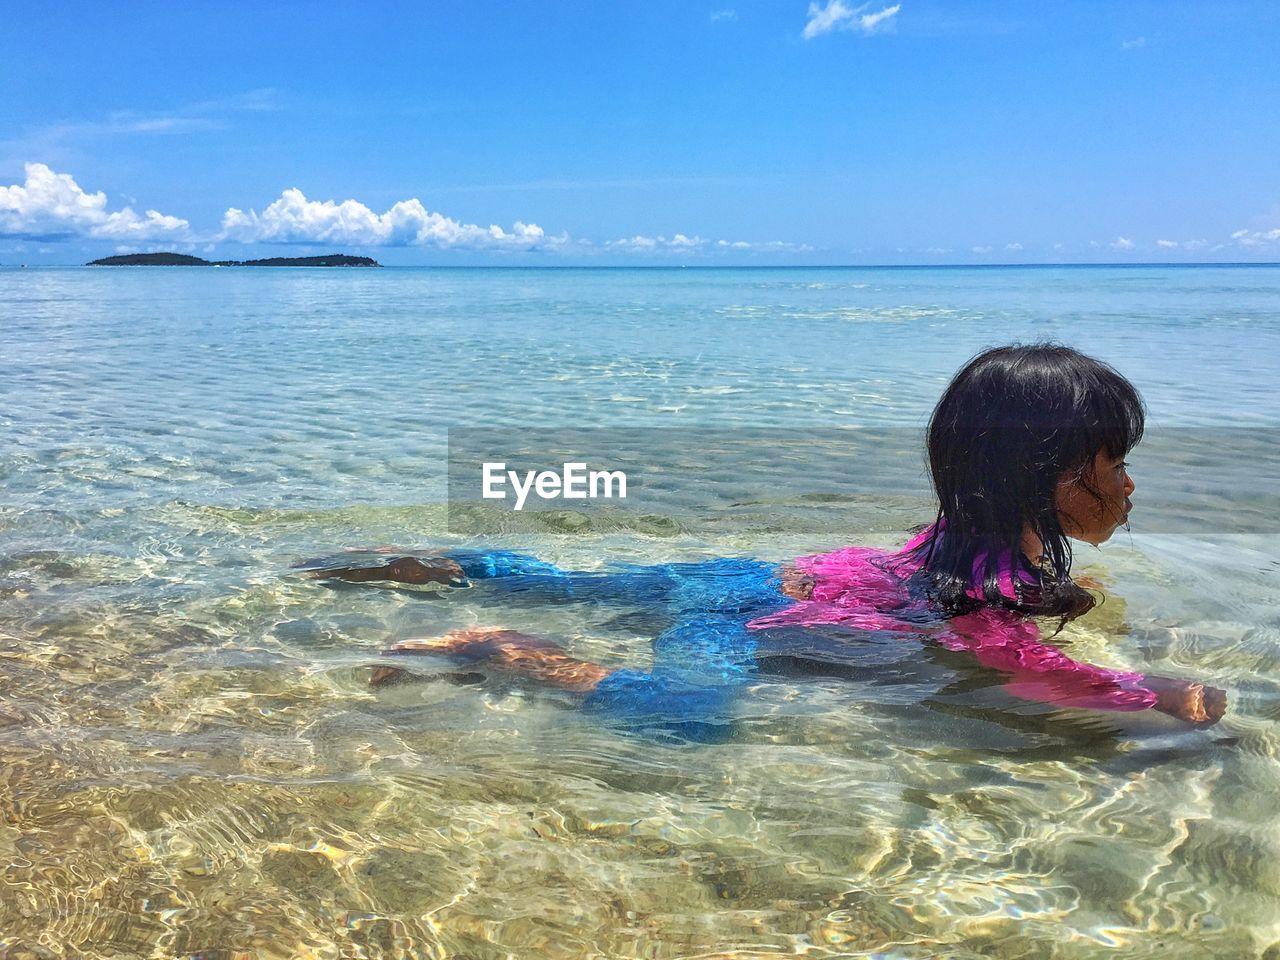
x: 193, y: 762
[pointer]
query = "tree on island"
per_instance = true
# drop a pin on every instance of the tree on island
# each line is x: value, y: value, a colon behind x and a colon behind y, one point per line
x: 150, y: 260
x: 185, y: 260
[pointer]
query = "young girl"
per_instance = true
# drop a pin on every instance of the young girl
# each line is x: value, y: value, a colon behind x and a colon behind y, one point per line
x: 1026, y: 450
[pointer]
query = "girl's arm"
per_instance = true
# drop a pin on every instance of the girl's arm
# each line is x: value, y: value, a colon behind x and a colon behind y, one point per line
x: 1004, y: 641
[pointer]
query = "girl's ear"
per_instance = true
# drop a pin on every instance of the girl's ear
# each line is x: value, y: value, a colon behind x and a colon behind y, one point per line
x: 1066, y: 497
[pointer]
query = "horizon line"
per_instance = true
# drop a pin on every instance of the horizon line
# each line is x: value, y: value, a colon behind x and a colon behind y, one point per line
x: 741, y: 266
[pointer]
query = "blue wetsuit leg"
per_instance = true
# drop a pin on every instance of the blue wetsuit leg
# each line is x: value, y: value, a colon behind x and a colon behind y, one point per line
x: 700, y: 663
x: 726, y: 585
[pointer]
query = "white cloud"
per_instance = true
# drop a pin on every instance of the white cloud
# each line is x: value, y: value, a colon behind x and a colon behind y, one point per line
x: 1013, y: 246
x: 980, y: 249
x: 718, y: 15
x: 262, y: 99
x: 1121, y: 243
x: 636, y: 244
x: 681, y: 243
x: 52, y: 204
x: 1256, y: 238
x: 1134, y: 44
x: 837, y: 16
x: 1167, y: 244
x: 784, y: 245
x: 183, y: 119
x: 1195, y: 244
x: 642, y: 244
x: 294, y: 219
x: 871, y: 21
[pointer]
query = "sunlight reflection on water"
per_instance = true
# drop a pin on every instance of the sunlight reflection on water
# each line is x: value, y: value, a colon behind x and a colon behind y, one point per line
x: 194, y: 763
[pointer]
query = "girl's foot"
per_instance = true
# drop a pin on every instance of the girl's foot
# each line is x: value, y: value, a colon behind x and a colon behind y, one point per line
x: 519, y: 652
x: 405, y: 569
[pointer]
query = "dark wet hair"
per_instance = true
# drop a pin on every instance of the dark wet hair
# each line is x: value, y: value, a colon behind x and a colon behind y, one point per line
x: 1010, y: 424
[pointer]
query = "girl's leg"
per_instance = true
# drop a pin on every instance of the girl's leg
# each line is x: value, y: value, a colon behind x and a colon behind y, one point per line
x: 510, y: 650
x: 700, y: 663
x: 501, y: 570
x: 728, y: 585
x: 385, y: 566
x: 700, y: 666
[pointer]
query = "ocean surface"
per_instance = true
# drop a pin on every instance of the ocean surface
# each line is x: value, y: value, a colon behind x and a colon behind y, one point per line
x: 193, y: 762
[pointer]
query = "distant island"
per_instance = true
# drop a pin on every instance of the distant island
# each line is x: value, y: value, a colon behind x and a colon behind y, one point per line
x: 184, y: 260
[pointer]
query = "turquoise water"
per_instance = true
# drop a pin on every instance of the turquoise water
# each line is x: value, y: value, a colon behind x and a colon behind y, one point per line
x: 193, y: 762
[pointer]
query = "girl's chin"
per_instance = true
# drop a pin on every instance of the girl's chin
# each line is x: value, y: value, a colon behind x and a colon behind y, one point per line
x: 1110, y: 533
x: 1095, y: 539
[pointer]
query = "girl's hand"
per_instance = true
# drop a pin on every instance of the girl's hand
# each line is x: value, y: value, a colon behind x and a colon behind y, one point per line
x: 1188, y: 701
x: 797, y: 585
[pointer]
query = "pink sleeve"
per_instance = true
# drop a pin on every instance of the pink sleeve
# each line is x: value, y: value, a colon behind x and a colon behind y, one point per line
x: 1004, y: 641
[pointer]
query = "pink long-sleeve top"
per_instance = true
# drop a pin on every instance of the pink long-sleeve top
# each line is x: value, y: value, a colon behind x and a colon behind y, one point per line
x: 865, y: 588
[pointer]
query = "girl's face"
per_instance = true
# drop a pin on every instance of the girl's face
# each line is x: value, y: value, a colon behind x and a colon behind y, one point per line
x: 1092, y: 505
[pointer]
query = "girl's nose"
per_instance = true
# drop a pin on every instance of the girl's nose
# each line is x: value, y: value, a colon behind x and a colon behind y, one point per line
x: 1128, y: 484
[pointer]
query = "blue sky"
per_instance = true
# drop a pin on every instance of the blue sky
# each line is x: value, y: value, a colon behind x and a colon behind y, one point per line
x: 648, y: 132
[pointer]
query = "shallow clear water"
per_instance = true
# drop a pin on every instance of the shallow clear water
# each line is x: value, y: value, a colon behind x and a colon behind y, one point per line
x: 192, y: 761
